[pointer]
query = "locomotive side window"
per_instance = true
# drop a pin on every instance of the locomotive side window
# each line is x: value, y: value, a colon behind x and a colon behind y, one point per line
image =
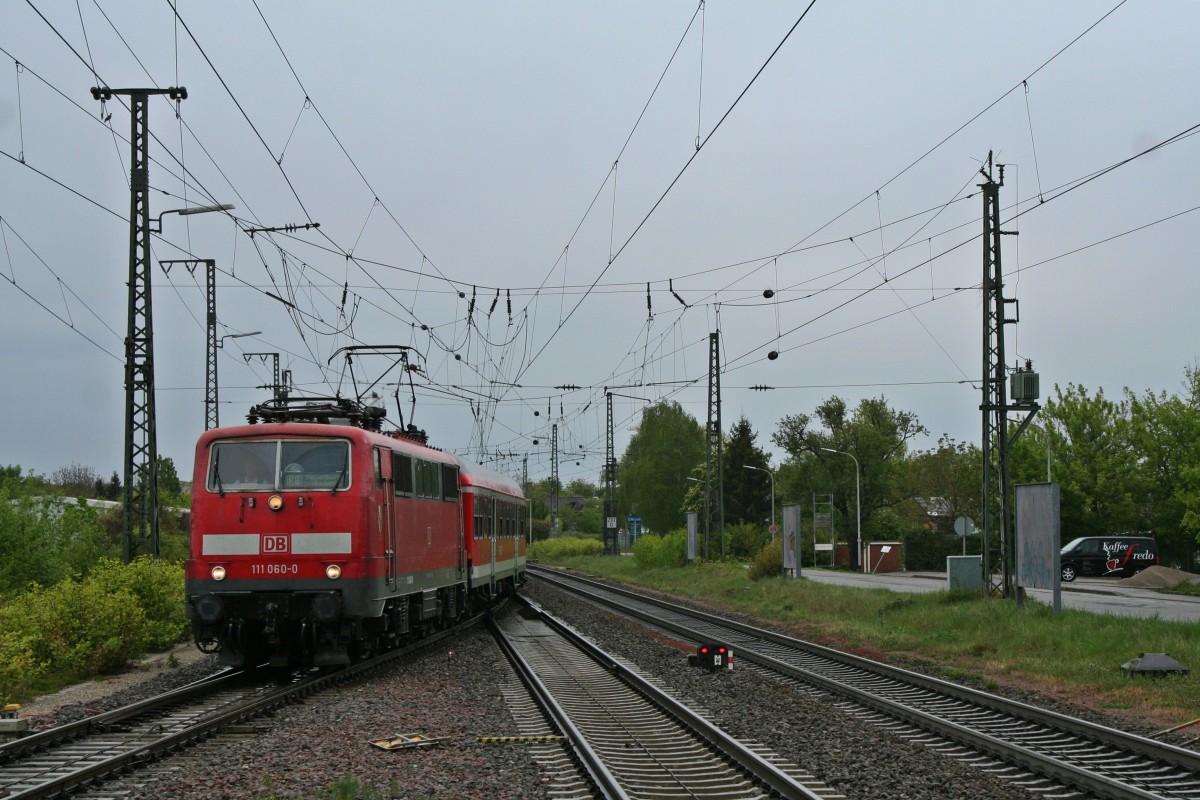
x: 429, y: 480
x: 402, y: 471
x: 449, y: 482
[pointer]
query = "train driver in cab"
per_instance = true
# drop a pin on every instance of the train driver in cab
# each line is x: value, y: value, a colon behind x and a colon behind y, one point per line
x: 253, y: 474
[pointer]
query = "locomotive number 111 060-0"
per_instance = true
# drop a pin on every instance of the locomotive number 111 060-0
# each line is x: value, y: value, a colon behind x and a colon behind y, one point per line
x: 274, y: 569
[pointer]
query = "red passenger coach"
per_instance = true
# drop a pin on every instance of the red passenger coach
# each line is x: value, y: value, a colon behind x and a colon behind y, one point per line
x: 318, y: 539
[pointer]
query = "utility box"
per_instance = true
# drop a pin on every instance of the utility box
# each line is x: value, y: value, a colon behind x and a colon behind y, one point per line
x: 964, y: 573
x: 10, y: 723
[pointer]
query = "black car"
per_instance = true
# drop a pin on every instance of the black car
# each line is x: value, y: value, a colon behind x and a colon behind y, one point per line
x: 1107, y: 556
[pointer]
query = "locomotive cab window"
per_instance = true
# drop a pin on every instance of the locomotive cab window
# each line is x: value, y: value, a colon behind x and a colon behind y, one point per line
x: 272, y: 465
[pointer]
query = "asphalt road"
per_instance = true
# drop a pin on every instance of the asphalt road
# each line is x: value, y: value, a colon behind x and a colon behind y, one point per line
x: 1096, y: 595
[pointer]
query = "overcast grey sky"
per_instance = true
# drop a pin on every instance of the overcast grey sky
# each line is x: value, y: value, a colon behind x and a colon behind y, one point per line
x: 529, y: 153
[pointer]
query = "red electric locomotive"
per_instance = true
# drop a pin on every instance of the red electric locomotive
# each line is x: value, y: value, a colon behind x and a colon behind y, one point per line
x: 317, y: 538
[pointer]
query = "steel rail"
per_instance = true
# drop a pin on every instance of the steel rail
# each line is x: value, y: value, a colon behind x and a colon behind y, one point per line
x: 1014, y: 753
x: 9, y: 751
x: 764, y: 771
x: 601, y: 777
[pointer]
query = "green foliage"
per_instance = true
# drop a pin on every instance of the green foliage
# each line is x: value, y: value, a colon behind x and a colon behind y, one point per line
x: 157, y: 588
x: 79, y: 628
x: 653, y: 472
x: 44, y: 540
x: 768, y: 562
x: 554, y: 550
x: 586, y: 521
x: 19, y: 667
x: 928, y: 549
x: 747, y: 491
x: 874, y: 434
x: 83, y: 626
x: 746, y: 539
x: 651, y: 550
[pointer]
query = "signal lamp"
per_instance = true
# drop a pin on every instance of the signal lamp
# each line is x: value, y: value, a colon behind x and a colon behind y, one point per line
x: 275, y: 502
x: 333, y: 572
x: 218, y: 573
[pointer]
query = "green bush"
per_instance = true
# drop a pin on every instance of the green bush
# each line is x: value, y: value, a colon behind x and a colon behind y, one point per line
x: 746, y: 539
x: 85, y: 628
x: 81, y: 627
x: 553, y: 550
x: 652, y: 550
x: 157, y: 586
x: 768, y: 563
x: 44, y: 540
x: 19, y: 668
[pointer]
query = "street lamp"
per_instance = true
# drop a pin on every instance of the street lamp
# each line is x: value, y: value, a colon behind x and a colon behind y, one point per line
x: 770, y: 475
x: 857, y: 499
x: 221, y: 344
x: 156, y: 226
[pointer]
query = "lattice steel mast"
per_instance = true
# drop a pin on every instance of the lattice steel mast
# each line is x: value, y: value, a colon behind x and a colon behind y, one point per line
x: 141, y: 442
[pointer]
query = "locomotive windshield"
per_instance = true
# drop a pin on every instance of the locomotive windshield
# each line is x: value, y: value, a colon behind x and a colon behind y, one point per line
x: 269, y: 465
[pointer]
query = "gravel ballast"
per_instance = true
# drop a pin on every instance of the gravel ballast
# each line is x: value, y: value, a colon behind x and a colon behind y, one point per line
x: 452, y: 690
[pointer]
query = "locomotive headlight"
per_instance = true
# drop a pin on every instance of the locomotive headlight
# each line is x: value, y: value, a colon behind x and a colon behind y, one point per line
x: 275, y: 502
x: 218, y: 573
x: 333, y: 572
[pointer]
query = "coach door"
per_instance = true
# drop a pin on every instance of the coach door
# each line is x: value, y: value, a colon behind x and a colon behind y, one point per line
x: 386, y: 511
x: 494, y: 533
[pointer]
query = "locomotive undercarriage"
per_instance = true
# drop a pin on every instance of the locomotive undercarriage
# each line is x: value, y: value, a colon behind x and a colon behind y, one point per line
x: 299, y: 629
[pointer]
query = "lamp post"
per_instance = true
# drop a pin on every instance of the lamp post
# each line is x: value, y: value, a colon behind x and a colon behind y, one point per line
x: 770, y: 475
x: 221, y: 344
x: 156, y: 226
x: 857, y: 499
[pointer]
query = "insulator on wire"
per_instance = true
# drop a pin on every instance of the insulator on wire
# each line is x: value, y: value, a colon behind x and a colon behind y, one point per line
x: 671, y: 287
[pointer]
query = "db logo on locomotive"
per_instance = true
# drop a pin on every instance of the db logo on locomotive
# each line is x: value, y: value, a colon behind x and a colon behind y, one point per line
x: 274, y: 543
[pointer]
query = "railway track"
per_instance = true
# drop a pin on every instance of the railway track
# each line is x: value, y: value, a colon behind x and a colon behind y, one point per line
x: 79, y: 757
x: 1048, y: 753
x: 629, y: 737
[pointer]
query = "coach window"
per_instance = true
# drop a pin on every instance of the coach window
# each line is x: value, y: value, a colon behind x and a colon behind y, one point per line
x: 402, y: 473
